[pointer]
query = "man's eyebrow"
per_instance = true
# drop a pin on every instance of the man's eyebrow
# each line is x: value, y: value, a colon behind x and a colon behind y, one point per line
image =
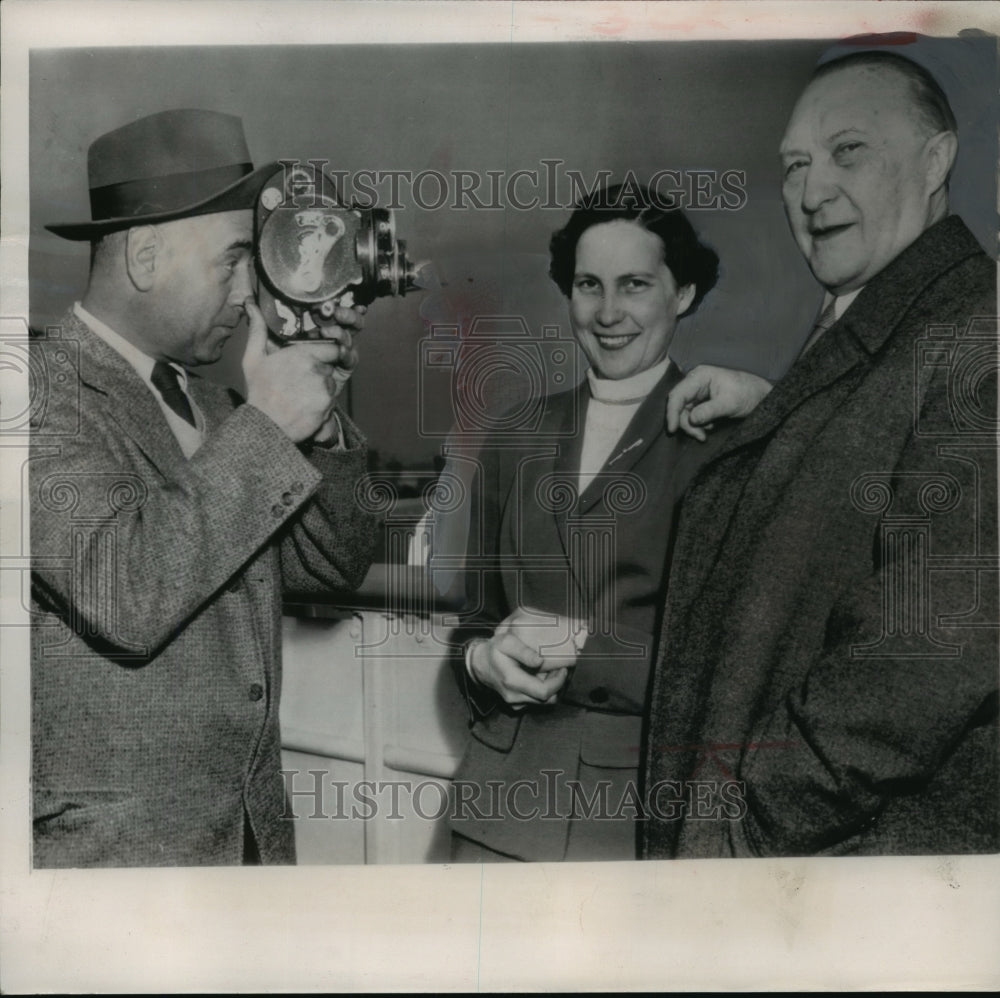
x: 840, y: 133
x: 845, y: 131
x: 239, y: 244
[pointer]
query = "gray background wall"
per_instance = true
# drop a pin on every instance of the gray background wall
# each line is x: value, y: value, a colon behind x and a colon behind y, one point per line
x: 609, y: 106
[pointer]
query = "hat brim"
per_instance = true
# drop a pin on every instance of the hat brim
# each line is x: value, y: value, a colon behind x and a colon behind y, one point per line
x: 236, y: 196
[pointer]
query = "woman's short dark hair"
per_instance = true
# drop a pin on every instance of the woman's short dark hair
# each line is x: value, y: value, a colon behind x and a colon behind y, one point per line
x: 690, y: 261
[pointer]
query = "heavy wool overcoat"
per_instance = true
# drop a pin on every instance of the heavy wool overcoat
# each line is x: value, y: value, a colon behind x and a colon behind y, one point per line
x: 827, y: 673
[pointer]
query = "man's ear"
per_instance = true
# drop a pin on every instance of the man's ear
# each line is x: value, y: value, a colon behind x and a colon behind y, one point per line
x: 940, y: 151
x: 143, y: 244
x: 685, y: 296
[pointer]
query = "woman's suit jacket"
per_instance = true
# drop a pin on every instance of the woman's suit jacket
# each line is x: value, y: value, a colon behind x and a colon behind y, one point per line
x: 534, y: 542
x: 156, y: 599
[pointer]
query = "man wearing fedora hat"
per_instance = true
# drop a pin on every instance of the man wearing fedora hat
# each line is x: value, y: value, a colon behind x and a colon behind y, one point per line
x: 167, y: 515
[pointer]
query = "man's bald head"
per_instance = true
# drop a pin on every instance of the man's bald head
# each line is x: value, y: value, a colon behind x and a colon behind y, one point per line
x: 866, y: 158
x: 932, y: 112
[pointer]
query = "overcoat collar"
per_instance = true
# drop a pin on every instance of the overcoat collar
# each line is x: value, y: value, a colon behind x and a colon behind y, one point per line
x: 863, y: 329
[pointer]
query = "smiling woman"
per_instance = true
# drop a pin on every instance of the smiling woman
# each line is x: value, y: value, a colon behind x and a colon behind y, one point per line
x: 630, y: 265
x: 625, y: 302
x: 561, y: 644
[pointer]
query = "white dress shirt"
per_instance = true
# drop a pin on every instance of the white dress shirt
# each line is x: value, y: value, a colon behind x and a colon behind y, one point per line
x: 840, y: 302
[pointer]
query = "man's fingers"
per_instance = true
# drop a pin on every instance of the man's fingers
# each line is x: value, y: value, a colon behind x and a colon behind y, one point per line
x: 349, y: 359
x: 330, y: 313
x: 257, y: 339
x: 333, y: 334
x: 321, y: 351
x: 689, y: 428
x: 692, y: 388
x: 553, y: 680
x: 674, y: 410
x: 556, y: 659
x: 708, y: 412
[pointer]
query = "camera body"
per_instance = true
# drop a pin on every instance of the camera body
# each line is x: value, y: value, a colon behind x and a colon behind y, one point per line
x: 311, y: 248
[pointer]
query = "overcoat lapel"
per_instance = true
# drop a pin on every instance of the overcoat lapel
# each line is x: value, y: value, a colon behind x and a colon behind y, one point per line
x: 860, y: 332
x: 832, y: 357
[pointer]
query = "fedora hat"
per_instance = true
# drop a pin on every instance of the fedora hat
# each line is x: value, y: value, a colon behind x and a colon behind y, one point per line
x: 169, y: 165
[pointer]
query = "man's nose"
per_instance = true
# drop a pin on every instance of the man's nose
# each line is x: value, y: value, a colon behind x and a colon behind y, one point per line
x: 818, y: 187
x: 243, y: 284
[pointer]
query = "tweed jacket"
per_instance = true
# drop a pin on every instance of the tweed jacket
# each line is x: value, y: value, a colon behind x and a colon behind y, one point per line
x: 599, y: 555
x: 156, y: 599
x: 827, y: 675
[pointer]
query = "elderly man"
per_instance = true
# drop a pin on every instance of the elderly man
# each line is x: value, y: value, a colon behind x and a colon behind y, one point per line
x: 167, y: 515
x: 827, y: 672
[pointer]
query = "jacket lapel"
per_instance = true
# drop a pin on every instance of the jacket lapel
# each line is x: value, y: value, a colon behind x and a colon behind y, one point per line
x: 645, y: 428
x: 136, y: 410
x: 567, y: 462
x: 216, y: 402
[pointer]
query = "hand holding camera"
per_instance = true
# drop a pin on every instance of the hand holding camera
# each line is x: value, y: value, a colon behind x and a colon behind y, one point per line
x: 319, y: 262
x: 297, y: 385
x: 312, y: 250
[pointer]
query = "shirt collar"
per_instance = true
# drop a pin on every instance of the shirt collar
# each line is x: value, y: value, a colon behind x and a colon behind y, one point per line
x: 142, y: 362
x: 841, y: 303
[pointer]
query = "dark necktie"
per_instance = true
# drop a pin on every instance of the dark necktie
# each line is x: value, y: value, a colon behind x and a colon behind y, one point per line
x: 823, y: 323
x: 167, y: 383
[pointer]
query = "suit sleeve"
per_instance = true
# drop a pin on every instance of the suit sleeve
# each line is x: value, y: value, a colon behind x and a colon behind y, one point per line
x: 127, y: 555
x: 331, y: 542
x: 485, y: 604
x: 866, y: 728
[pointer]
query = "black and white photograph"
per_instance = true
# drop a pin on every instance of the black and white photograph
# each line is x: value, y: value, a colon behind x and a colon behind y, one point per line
x: 500, y: 496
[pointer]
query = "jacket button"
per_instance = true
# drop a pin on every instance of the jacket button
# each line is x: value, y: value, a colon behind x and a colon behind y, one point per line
x: 256, y: 692
x: 287, y: 499
x: 277, y: 511
x: 599, y: 694
x: 297, y: 488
